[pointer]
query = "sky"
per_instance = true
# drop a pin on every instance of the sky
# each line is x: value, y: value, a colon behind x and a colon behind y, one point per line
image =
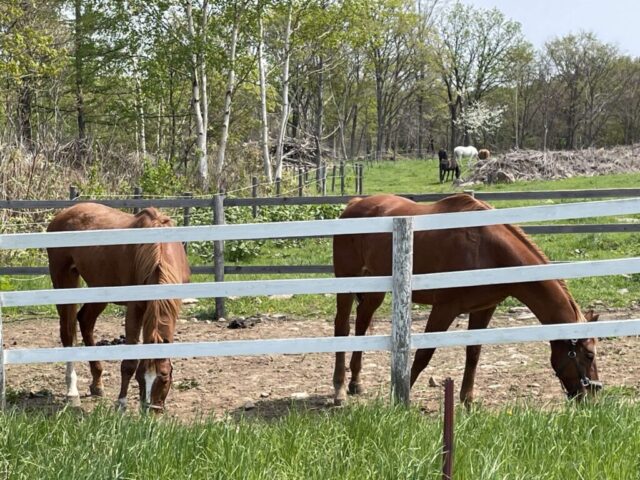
x: 613, y: 21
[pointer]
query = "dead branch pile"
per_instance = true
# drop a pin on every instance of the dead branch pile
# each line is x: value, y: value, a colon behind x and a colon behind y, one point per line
x: 537, y: 165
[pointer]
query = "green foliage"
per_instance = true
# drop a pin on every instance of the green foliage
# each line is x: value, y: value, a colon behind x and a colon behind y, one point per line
x: 242, y: 250
x: 161, y: 179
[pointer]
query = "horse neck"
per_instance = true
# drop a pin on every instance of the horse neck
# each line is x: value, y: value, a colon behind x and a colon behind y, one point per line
x: 549, y: 301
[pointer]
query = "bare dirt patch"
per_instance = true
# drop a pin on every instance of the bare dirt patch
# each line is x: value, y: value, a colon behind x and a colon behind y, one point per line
x: 269, y: 386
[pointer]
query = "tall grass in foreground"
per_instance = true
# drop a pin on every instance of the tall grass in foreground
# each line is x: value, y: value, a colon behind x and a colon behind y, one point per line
x: 359, y: 442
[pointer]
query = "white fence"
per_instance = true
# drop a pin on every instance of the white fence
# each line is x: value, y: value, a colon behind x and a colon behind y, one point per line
x: 398, y: 342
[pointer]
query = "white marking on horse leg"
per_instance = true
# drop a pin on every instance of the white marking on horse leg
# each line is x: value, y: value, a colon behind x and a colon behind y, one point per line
x: 72, y: 381
x: 122, y: 404
x: 149, y: 378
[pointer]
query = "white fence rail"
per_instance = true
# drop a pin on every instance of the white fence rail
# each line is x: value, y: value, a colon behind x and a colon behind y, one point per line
x: 397, y: 342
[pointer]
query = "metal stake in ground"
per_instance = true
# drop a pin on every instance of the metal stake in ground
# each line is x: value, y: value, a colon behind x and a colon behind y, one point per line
x: 447, y: 437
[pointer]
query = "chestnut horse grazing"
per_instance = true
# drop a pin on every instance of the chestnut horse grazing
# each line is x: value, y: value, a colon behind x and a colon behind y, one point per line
x: 119, y: 265
x: 484, y: 154
x: 450, y: 250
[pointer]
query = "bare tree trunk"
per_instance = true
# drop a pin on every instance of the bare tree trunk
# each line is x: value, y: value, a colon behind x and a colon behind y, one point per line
x: 228, y: 97
x: 172, y: 108
x: 204, y: 98
x: 140, y: 114
x: 354, y: 127
x: 285, y: 95
x: 201, y: 133
x: 25, y: 130
x: 81, y: 147
x: 266, y: 161
x: 319, y: 117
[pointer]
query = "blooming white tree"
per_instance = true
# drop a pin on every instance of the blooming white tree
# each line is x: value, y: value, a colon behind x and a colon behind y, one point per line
x: 481, y: 119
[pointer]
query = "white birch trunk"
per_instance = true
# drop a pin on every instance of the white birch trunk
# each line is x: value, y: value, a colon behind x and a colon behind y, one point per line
x: 285, y: 95
x: 263, y: 101
x: 231, y: 79
x: 201, y: 133
x: 141, y: 122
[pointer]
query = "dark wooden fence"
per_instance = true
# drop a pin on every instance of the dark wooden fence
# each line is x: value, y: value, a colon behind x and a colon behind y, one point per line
x: 187, y: 202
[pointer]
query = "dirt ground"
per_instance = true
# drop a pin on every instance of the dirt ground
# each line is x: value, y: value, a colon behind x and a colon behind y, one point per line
x: 269, y: 386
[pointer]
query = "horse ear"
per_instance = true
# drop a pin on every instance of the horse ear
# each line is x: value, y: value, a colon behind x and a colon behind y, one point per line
x: 590, y: 316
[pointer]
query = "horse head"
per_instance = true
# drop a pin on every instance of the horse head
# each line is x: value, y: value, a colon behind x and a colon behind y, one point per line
x: 574, y: 362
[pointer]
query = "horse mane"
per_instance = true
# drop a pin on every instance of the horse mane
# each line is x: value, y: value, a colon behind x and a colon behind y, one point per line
x: 525, y: 239
x: 152, y: 267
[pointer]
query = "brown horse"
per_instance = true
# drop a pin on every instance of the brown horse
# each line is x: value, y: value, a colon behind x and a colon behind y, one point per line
x: 484, y: 154
x: 119, y: 265
x: 451, y: 250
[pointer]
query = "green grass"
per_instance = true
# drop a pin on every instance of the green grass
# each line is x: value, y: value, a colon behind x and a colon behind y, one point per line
x: 359, y: 442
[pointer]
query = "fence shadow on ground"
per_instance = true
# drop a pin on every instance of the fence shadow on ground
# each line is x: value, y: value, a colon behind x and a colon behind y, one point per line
x: 274, y: 409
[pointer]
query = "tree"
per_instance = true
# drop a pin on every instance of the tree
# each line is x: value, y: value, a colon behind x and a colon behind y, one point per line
x: 473, y: 58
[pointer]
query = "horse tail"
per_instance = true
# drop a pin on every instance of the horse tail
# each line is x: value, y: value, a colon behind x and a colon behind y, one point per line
x: 151, y: 268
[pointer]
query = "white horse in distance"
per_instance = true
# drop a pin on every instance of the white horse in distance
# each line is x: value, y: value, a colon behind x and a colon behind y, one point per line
x: 465, y: 152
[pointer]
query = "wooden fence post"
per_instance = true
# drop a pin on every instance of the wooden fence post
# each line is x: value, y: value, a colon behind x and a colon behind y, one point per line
x: 186, y: 218
x: 278, y: 183
x: 218, y: 252
x: 342, y: 178
x: 401, y: 309
x: 300, y: 182
x: 137, y: 193
x: 254, y: 194
x: 356, y: 175
x: 333, y: 178
x: 73, y: 192
x: 323, y: 180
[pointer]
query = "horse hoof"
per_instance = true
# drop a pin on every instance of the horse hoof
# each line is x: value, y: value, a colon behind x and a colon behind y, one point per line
x: 338, y: 402
x: 74, y: 401
x: 356, y: 389
x: 96, y: 391
x: 121, y: 405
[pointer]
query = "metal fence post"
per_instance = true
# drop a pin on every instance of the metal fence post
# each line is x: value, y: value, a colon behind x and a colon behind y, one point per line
x: 401, y: 309
x: 447, y: 434
x: 218, y: 252
x: 342, y: 178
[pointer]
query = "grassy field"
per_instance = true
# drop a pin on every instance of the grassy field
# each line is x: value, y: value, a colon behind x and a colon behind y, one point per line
x: 415, y: 176
x: 361, y: 442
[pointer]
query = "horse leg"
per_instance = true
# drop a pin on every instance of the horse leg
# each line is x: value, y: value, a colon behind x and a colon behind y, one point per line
x: 364, y: 313
x: 440, y: 319
x: 477, y: 320
x: 64, y: 276
x: 133, y: 326
x: 442, y: 173
x: 87, y: 317
x: 344, y: 302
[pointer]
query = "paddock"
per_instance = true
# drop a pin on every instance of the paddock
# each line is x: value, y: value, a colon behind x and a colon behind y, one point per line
x: 214, y: 347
